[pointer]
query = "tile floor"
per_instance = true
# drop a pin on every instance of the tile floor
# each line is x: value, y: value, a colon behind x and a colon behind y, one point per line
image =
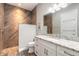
x: 25, y: 53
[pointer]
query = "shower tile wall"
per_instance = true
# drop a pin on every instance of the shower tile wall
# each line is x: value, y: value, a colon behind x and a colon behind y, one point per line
x: 34, y: 16
x: 10, y: 18
x: 1, y: 25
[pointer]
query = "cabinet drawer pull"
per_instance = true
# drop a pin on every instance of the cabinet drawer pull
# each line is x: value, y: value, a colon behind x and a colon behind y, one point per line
x: 36, y: 45
x: 68, y: 53
x: 36, y: 52
x: 46, y: 51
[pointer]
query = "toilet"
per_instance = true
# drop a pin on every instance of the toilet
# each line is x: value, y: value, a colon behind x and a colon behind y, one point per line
x: 31, y: 47
x: 21, y: 51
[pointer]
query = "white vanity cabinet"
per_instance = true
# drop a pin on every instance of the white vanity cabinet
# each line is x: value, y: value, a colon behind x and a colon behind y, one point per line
x: 45, y: 46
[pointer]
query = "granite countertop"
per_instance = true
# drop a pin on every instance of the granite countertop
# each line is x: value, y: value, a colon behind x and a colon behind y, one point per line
x: 63, y: 42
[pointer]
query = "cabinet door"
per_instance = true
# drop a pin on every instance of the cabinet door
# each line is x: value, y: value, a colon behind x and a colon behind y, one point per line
x: 36, y: 46
x: 49, y: 48
x: 39, y: 49
x: 76, y: 53
x: 36, y: 49
x: 51, y: 52
x: 42, y: 48
x: 62, y: 51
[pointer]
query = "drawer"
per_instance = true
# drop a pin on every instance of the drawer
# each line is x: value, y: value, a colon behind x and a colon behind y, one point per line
x: 48, y: 44
x: 76, y: 53
x: 37, y: 47
x: 36, y: 52
x: 64, y: 51
x: 51, y: 52
x: 42, y: 50
x: 60, y: 54
x: 36, y: 39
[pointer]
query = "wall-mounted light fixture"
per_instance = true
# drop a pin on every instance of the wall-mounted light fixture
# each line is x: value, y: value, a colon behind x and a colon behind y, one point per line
x: 62, y: 5
x: 57, y: 7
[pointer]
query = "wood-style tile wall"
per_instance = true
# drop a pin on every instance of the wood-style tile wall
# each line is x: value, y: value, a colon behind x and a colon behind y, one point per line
x: 1, y: 25
x: 34, y: 16
x: 10, y: 18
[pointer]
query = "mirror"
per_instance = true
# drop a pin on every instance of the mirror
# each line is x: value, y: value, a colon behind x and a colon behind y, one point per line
x: 48, y: 23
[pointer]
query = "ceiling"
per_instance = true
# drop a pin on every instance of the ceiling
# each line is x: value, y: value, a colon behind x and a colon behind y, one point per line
x: 28, y: 6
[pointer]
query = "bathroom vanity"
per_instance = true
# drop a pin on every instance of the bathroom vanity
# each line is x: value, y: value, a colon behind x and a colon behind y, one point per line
x: 51, y: 46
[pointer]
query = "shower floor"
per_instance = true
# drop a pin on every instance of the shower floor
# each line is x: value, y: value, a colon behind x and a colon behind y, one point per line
x: 12, y: 51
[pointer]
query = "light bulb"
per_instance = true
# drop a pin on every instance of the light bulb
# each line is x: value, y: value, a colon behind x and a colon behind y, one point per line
x: 55, y: 6
x: 51, y: 10
x: 63, y: 5
x: 57, y: 9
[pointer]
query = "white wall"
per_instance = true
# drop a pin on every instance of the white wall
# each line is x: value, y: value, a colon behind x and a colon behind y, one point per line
x: 26, y: 34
